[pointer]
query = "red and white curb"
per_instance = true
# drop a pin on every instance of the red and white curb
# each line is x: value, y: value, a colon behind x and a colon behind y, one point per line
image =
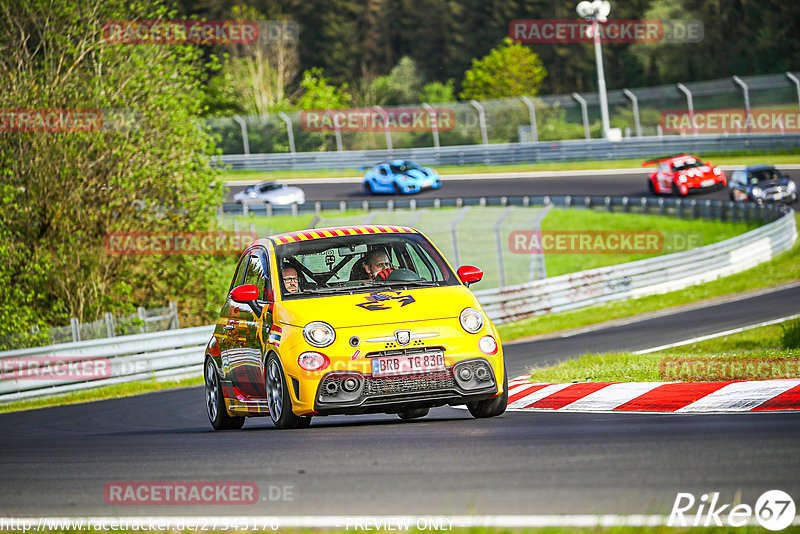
x: 674, y: 397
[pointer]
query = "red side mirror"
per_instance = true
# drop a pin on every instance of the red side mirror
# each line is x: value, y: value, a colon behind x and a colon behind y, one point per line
x: 469, y: 274
x: 246, y: 293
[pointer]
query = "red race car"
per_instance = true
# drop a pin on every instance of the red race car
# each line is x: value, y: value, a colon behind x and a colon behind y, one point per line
x: 679, y: 174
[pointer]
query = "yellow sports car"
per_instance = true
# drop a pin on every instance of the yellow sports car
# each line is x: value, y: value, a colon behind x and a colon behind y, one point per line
x: 350, y: 320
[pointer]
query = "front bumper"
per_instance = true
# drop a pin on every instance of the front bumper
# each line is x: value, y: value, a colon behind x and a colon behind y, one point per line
x: 397, y: 393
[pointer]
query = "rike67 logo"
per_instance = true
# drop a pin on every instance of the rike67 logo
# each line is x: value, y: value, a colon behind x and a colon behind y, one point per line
x: 774, y: 510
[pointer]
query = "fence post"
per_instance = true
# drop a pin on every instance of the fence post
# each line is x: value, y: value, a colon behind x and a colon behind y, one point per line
x: 796, y: 82
x: 690, y: 104
x: 173, y: 310
x: 454, y: 235
x: 481, y: 120
x: 532, y: 112
x: 243, y: 126
x: 584, y: 113
x: 289, y: 130
x: 635, y: 102
x: 499, y: 246
x: 434, y: 123
x: 110, y: 326
x: 142, y: 314
x: 75, y: 325
x: 387, y: 132
x: 746, y: 92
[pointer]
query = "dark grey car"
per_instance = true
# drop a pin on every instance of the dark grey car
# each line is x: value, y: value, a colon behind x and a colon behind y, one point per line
x: 762, y: 183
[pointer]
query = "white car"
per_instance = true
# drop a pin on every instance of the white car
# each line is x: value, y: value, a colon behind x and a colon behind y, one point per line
x: 271, y: 193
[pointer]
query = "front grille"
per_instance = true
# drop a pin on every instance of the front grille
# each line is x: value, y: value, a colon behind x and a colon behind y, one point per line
x: 409, y: 384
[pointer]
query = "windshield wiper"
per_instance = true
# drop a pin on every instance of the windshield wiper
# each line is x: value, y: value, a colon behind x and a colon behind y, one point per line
x: 425, y: 283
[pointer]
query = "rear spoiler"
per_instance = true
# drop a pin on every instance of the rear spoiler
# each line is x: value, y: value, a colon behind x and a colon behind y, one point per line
x: 656, y: 161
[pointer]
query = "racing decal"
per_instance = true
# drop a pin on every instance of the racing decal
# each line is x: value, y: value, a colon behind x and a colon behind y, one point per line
x: 275, y: 335
x: 305, y: 235
x: 383, y: 301
x: 355, y: 355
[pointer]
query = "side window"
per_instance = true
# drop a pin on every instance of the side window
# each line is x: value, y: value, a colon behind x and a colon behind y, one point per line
x: 258, y: 273
x: 383, y: 171
x: 237, y: 277
x: 738, y: 177
x: 422, y: 267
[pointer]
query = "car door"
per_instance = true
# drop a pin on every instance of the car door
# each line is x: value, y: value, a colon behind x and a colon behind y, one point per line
x: 384, y: 177
x: 664, y: 178
x: 252, y: 323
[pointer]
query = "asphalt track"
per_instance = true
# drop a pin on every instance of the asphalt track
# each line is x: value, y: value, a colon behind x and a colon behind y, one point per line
x: 625, y: 182
x: 56, y: 461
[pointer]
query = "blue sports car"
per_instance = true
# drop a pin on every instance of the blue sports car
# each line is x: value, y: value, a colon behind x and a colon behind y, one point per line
x: 400, y: 176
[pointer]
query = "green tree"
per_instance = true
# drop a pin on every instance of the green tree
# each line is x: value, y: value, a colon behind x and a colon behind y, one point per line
x: 143, y: 166
x: 401, y: 86
x: 510, y: 69
x: 317, y: 92
x: 437, y: 92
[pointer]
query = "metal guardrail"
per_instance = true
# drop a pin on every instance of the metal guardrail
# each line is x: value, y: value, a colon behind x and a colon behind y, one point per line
x: 690, y: 208
x: 511, y: 153
x: 640, y: 278
x: 56, y: 369
x: 179, y: 353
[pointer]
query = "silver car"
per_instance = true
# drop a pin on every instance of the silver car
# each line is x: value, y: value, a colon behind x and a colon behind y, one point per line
x: 271, y: 193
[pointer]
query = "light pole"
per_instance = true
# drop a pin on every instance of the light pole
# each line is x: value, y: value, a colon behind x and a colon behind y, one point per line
x: 597, y: 11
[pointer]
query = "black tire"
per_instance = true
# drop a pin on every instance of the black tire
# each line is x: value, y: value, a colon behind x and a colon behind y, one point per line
x: 215, y: 402
x: 651, y: 188
x: 397, y: 190
x: 368, y: 188
x: 676, y: 192
x: 278, y: 400
x: 415, y: 413
x: 491, y: 407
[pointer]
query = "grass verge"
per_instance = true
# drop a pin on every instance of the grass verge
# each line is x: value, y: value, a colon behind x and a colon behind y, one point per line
x: 109, y: 392
x: 717, y: 159
x: 755, y: 354
x: 784, y: 268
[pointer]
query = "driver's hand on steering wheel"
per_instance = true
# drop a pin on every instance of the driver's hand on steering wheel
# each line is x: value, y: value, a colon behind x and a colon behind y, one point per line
x: 381, y: 276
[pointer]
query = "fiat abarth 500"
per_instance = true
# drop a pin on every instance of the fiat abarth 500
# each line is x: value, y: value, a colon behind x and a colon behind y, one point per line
x: 350, y: 320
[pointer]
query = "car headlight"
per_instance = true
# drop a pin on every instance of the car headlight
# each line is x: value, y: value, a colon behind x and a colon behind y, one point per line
x: 319, y: 334
x: 313, y: 361
x: 791, y: 187
x: 757, y: 192
x: 471, y: 320
x: 682, y: 179
x: 717, y: 171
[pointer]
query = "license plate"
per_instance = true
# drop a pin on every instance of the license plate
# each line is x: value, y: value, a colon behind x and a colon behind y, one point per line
x: 707, y: 183
x: 407, y: 364
x: 777, y: 196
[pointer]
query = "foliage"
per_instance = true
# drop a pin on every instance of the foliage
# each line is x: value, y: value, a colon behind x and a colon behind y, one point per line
x: 319, y: 93
x: 791, y: 335
x: 511, y: 69
x: 437, y: 92
x: 63, y: 192
x: 401, y: 86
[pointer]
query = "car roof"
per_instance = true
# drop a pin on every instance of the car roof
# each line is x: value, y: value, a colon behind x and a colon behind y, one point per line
x: 672, y: 158
x: 759, y: 167
x: 334, y: 231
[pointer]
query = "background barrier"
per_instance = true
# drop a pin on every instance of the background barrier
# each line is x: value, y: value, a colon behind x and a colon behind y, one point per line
x: 177, y: 354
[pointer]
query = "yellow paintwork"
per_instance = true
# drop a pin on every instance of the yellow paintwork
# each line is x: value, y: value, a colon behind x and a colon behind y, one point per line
x: 435, y: 310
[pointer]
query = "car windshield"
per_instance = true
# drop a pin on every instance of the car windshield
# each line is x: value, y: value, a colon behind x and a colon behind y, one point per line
x: 405, y: 167
x: 348, y: 264
x: 763, y: 175
x: 689, y: 163
x: 269, y: 187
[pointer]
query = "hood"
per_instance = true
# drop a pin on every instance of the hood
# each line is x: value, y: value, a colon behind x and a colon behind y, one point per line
x: 383, y: 307
x: 697, y: 172
x: 417, y: 174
